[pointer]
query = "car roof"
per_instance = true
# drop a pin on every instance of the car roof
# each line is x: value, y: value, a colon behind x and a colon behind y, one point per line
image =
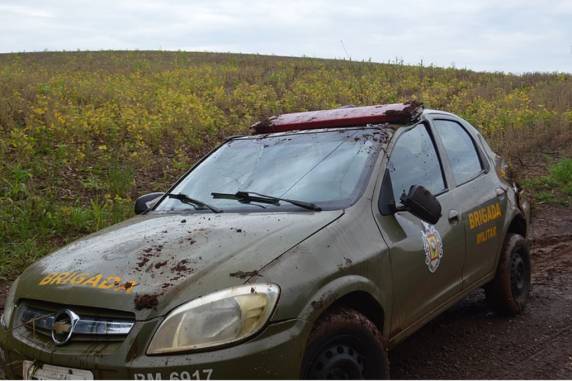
x: 439, y: 112
x: 350, y: 116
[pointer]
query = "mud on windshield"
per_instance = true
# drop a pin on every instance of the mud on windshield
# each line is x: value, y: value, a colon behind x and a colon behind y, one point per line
x: 328, y: 168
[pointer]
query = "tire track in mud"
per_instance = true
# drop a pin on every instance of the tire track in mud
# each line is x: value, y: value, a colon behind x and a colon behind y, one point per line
x: 549, y: 358
x: 550, y: 240
x: 539, y: 347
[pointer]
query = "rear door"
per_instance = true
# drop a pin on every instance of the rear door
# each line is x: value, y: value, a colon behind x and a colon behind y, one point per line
x: 482, y: 201
x: 426, y: 260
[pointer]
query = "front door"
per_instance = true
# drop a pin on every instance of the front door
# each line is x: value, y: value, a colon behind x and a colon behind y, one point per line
x: 426, y: 260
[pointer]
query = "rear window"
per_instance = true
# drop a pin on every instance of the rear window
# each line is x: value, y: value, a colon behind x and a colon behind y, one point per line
x: 460, y: 148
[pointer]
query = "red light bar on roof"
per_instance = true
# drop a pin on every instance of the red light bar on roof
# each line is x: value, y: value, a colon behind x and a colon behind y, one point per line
x: 398, y: 113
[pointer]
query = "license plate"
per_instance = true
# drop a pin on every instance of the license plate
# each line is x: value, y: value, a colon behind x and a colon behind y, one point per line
x: 32, y: 371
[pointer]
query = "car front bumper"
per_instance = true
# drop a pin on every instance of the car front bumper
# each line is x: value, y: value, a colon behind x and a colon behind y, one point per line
x: 274, y: 353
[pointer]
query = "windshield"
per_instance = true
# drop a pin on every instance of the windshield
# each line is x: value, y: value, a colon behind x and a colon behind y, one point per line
x: 327, y: 168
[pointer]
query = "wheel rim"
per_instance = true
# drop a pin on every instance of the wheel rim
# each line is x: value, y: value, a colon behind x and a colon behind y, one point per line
x: 519, y: 274
x: 338, y: 361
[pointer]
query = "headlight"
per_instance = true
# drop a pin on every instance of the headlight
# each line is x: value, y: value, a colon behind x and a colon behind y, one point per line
x: 216, y: 319
x: 9, y: 306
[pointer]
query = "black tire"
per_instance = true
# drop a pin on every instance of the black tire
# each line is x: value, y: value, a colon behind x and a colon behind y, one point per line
x: 345, y: 344
x: 508, y: 292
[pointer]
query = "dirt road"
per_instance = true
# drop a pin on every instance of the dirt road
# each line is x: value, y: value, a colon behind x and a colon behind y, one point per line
x: 470, y: 341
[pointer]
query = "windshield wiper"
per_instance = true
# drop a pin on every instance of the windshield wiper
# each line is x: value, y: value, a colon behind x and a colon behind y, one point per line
x: 197, y: 204
x: 248, y: 197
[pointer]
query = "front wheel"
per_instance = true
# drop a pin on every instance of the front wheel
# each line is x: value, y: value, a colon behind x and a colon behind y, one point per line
x: 345, y: 345
x: 508, y: 292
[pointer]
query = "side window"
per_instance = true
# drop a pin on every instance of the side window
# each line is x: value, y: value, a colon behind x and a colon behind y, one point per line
x: 460, y: 148
x: 414, y: 161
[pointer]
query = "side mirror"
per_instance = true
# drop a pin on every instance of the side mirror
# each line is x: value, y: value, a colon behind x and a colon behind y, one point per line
x: 146, y: 202
x: 422, y: 204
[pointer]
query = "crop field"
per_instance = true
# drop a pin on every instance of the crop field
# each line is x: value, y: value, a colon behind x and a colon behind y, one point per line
x: 82, y: 134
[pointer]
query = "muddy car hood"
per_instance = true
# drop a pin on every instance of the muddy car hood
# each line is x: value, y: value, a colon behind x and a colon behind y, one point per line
x: 150, y: 264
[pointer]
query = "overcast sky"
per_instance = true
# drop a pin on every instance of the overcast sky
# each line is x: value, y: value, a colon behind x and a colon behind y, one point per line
x: 509, y: 35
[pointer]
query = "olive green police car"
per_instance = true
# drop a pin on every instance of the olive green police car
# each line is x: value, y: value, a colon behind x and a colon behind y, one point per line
x: 305, y: 250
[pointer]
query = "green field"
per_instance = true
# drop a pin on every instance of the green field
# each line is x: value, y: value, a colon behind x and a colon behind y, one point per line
x: 83, y: 133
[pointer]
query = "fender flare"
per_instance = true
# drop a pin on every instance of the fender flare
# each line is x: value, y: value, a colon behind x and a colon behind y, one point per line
x: 334, y: 290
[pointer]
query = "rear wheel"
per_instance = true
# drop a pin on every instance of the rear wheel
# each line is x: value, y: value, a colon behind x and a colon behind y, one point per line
x: 345, y: 345
x: 508, y: 292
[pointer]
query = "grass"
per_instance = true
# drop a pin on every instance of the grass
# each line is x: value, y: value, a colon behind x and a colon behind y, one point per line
x: 82, y: 134
x: 555, y: 187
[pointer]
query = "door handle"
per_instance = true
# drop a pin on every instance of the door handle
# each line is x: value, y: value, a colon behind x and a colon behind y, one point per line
x: 453, y: 216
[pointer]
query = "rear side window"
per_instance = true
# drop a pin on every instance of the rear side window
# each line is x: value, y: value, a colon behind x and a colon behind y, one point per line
x: 461, y: 150
x: 415, y: 162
